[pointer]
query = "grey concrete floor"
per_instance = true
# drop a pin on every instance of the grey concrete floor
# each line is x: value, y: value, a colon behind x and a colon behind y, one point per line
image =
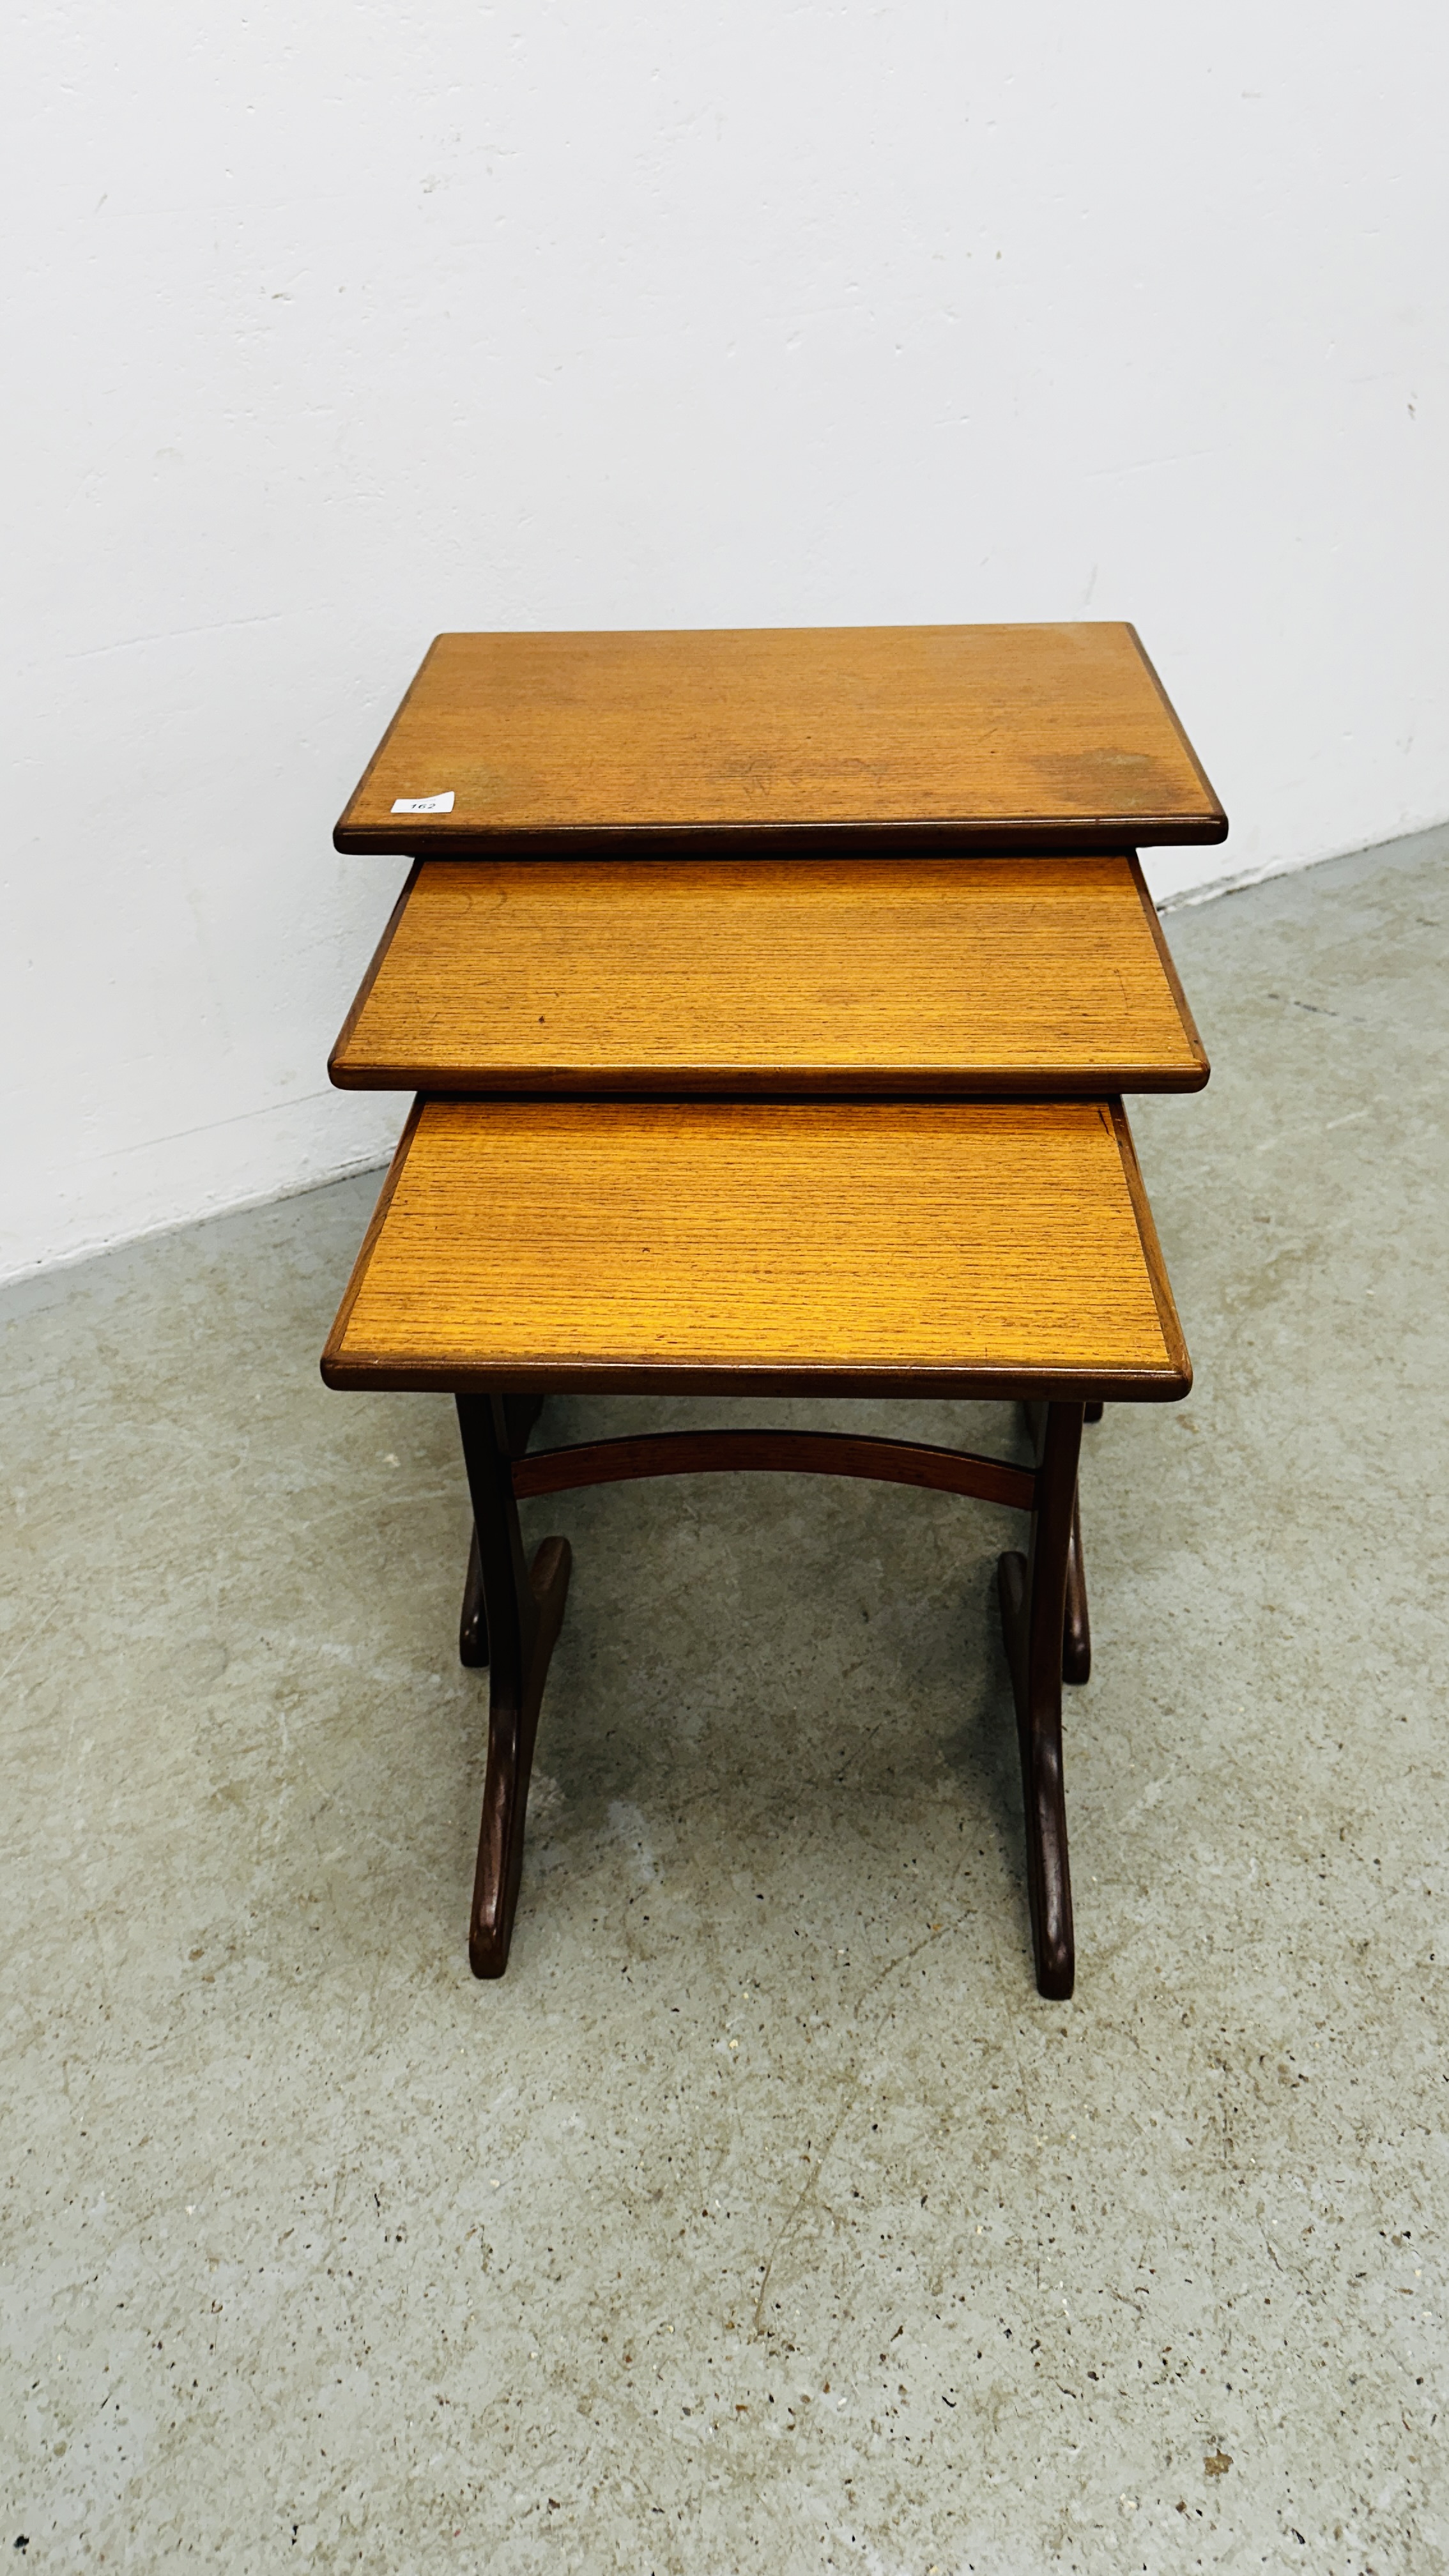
x: 763, y: 2216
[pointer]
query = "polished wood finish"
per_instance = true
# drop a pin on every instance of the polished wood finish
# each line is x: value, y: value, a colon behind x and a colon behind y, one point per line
x: 524, y: 1609
x: 1033, y: 1593
x: 781, y: 1453
x: 1054, y: 736
x: 960, y: 1248
x: 520, y: 1413
x: 1077, y: 1631
x: 923, y: 976
x: 1077, y: 1625
x: 473, y: 1619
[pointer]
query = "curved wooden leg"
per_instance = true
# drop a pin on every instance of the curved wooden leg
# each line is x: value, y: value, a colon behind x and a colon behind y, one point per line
x: 1077, y: 1626
x: 520, y: 1413
x: 1033, y: 1606
x: 524, y: 1610
x: 473, y: 1625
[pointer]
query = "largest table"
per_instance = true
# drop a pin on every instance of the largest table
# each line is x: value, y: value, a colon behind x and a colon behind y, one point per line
x: 843, y: 959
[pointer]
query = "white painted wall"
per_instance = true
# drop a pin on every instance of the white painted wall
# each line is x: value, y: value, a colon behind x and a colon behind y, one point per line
x: 337, y: 325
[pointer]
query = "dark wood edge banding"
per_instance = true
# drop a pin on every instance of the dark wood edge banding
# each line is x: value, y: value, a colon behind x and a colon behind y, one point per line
x: 341, y: 1082
x: 794, y: 1453
x: 542, y: 1376
x: 1093, y: 835
x: 1172, y: 1333
x: 331, y: 1357
x: 349, y: 842
x: 623, y: 1083
x: 1220, y: 820
x: 1174, y: 980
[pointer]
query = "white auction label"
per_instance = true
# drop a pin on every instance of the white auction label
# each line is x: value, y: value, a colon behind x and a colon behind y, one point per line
x: 423, y: 804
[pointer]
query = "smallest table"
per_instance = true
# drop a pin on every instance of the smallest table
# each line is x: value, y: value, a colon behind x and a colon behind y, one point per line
x: 943, y: 1248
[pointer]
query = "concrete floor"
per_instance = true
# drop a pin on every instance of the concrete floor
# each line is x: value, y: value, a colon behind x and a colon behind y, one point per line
x: 763, y: 2216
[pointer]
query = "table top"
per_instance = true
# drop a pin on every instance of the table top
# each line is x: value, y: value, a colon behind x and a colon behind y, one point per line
x: 956, y: 1248
x: 926, y: 976
x: 792, y: 738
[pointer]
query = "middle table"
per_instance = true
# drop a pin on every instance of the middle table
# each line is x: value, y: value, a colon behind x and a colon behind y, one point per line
x: 914, y: 976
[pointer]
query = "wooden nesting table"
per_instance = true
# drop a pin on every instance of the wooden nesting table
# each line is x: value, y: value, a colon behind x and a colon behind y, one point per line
x: 769, y: 999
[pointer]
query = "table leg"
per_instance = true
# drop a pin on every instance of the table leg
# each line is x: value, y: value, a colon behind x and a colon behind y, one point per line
x: 473, y: 1625
x: 523, y: 1608
x: 1077, y: 1626
x: 520, y: 1413
x: 1033, y: 1607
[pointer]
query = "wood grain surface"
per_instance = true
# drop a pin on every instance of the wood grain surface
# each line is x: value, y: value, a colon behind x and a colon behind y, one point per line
x: 797, y: 736
x: 921, y: 976
x: 993, y: 1248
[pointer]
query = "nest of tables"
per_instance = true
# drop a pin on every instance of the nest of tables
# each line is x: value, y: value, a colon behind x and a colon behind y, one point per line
x: 770, y: 999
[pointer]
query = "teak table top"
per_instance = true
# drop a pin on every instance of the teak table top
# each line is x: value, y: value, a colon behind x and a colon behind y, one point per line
x: 958, y: 1248
x: 909, y: 736
x: 930, y: 976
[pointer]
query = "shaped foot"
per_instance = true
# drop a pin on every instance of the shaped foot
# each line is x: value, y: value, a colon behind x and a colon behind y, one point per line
x: 1049, y: 1885
x: 512, y: 1729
